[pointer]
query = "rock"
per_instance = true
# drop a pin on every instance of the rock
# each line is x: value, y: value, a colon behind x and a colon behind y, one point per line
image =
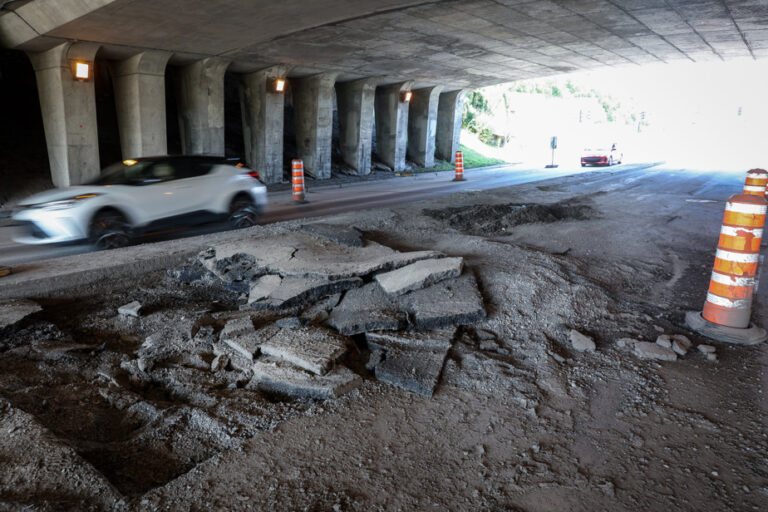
x: 377, y: 356
x: 237, y: 327
x: 366, y: 309
x: 441, y: 339
x: 680, y: 344
x: 299, y: 291
x: 311, y: 348
x: 411, y: 369
x: 219, y: 363
x: 246, y: 346
x: 344, y: 235
x: 262, y: 287
x: 626, y: 342
x: 648, y: 350
x: 290, y: 322
x: 278, y: 377
x: 706, y: 349
x: 418, y: 275
x: 450, y: 302
x: 133, y: 309
x: 712, y: 357
x: 240, y: 363
x: 581, y: 342
x: 318, y: 312
x: 144, y: 364
x: 664, y: 340
x: 14, y: 310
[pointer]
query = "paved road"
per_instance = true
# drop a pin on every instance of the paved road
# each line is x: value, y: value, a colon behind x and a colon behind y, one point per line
x: 331, y: 199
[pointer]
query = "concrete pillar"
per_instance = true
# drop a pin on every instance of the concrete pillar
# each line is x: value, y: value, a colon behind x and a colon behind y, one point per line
x: 201, y: 107
x: 422, y: 126
x: 449, y: 115
x: 355, y: 106
x: 262, y: 110
x: 313, y: 114
x: 68, y: 106
x: 392, y: 125
x: 139, y: 84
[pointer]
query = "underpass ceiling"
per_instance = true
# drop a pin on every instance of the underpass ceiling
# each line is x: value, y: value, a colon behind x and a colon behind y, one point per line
x: 458, y: 43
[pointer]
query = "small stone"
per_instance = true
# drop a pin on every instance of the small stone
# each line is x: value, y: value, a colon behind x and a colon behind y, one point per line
x: 712, y: 357
x: 143, y: 364
x: 706, y: 349
x: 219, y: 363
x: 664, y: 341
x: 132, y: 309
x: 289, y: 323
x: 626, y: 342
x: 648, y: 350
x: 658, y: 328
x: 680, y: 346
x: 247, y: 345
x: 581, y: 342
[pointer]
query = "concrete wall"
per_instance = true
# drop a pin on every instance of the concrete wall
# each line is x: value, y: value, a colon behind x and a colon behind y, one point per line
x: 201, y: 107
x: 139, y: 84
x: 313, y: 100
x: 422, y: 126
x: 355, y: 113
x: 392, y: 125
x: 449, y: 115
x: 69, y: 113
x: 262, y: 113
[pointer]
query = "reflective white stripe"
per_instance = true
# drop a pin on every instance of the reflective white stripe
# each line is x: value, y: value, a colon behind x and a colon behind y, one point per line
x: 728, y: 303
x: 738, y: 231
x: 753, y: 188
x: 755, y: 209
x: 738, y: 257
x: 757, y: 174
x: 732, y: 280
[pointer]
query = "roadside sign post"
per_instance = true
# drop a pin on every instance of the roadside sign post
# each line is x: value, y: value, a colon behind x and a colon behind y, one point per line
x: 553, y: 145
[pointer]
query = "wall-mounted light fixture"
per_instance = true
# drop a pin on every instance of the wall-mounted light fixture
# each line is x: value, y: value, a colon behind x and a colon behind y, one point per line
x: 82, y: 70
x: 406, y: 96
x: 276, y: 85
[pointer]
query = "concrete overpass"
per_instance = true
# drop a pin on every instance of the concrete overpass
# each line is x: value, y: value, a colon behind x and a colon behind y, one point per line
x: 355, y: 57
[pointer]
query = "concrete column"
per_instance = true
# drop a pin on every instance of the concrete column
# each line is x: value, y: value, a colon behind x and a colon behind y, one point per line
x: 449, y: 115
x: 201, y: 107
x: 355, y: 105
x: 313, y: 114
x: 422, y: 126
x: 392, y: 125
x: 69, y: 112
x: 262, y: 110
x: 139, y: 84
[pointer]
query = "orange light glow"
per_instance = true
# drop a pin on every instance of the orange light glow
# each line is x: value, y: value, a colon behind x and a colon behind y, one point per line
x: 82, y: 70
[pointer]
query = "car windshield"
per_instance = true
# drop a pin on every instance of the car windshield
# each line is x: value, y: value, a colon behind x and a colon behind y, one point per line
x: 122, y: 173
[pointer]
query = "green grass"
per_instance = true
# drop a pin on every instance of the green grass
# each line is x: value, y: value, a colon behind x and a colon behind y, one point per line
x: 471, y: 159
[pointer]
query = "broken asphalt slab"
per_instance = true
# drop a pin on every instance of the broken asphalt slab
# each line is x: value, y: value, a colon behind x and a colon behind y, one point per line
x: 12, y: 311
x: 310, y: 348
x: 296, y: 291
x: 275, y: 376
x: 420, y: 274
x: 344, y: 235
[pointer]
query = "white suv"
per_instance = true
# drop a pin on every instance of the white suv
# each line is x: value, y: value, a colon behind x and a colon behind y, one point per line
x: 141, y: 195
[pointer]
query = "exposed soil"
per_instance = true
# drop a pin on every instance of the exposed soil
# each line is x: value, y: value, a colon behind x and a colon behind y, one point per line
x: 519, y: 420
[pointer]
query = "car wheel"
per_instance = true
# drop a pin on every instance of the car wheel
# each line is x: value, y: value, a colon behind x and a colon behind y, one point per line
x: 109, y: 230
x: 583, y: 165
x: 243, y: 213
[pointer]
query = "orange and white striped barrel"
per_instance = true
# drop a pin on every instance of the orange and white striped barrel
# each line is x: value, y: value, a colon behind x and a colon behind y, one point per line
x: 459, y: 167
x: 297, y: 180
x: 729, y: 299
x: 756, y: 182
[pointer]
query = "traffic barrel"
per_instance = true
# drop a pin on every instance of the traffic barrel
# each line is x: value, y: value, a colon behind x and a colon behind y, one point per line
x: 756, y: 182
x: 297, y: 180
x: 728, y: 306
x: 459, y: 166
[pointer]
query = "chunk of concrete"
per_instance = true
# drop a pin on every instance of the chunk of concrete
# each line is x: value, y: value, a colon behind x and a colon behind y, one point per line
x: 278, y: 377
x: 366, y: 309
x: 648, y: 350
x: 411, y: 369
x: 419, y: 275
x: 450, y: 302
x: 14, y: 310
x: 706, y: 349
x: 581, y: 342
x: 219, y: 363
x: 311, y: 348
x: 132, y: 309
x: 247, y: 345
x: 263, y: 287
x: 344, y: 235
x: 626, y: 342
x: 664, y: 340
x: 440, y: 339
x: 680, y: 344
x: 297, y: 291
x: 237, y: 327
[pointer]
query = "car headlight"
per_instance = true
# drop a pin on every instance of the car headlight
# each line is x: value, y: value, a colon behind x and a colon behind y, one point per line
x: 63, y: 204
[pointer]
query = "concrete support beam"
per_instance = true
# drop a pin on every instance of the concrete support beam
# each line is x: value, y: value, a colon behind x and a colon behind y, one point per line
x: 392, y: 125
x: 69, y: 112
x: 262, y: 110
x: 139, y: 84
x: 449, y: 115
x: 355, y: 107
x: 201, y: 107
x: 313, y: 113
x: 422, y: 126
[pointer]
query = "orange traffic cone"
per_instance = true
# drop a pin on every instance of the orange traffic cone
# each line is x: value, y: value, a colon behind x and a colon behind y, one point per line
x: 459, y: 167
x: 297, y: 181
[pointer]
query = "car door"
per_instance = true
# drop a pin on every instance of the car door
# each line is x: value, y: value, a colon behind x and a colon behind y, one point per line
x: 196, y: 184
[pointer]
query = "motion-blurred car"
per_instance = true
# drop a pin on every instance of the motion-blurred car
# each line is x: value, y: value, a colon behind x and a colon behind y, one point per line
x: 601, y: 156
x: 143, y: 195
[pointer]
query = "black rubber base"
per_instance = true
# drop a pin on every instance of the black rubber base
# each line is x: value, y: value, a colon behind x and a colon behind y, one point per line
x: 751, y: 335
x: 459, y: 179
